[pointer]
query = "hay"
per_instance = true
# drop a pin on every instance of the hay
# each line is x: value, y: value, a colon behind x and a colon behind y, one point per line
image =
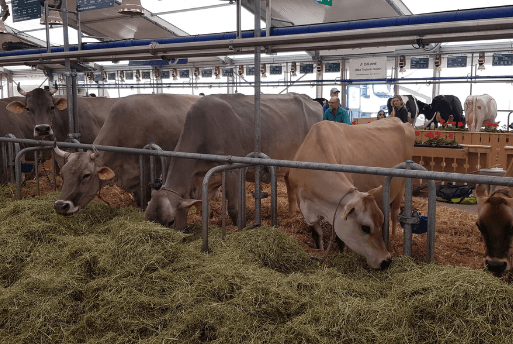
x: 107, y: 276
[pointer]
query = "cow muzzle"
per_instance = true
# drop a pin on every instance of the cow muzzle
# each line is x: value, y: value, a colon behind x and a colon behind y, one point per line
x: 42, y: 130
x: 385, y: 263
x: 497, y: 266
x: 65, y: 207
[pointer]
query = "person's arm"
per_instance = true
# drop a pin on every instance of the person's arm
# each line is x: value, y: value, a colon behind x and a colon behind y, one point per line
x: 326, y: 113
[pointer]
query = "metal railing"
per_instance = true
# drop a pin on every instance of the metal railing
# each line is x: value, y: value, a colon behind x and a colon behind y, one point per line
x: 230, y: 160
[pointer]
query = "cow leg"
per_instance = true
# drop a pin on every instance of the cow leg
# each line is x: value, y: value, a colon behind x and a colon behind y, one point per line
x: 340, y: 244
x: 395, y: 209
x: 313, y: 220
x: 232, y: 195
x: 291, y: 195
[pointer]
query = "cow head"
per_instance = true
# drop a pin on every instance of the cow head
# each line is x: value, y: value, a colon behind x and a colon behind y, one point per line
x: 40, y: 105
x: 495, y: 222
x: 169, y: 209
x: 82, y: 178
x: 359, y: 227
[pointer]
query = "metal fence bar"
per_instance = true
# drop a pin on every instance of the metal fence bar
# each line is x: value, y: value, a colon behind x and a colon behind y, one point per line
x: 36, y: 170
x: 17, y: 164
x: 223, y: 203
x: 242, y: 199
x: 204, y: 199
x: 229, y: 159
x: 407, y: 210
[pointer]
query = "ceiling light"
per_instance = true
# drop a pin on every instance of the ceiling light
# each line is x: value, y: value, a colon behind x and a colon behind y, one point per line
x: 402, y: 63
x: 481, y: 61
x: 131, y: 7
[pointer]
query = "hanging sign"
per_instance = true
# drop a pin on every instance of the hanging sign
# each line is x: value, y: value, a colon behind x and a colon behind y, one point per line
x: 206, y: 73
x: 184, y: 74
x: 25, y: 10
x: 456, y: 61
x: 370, y: 68
x: 332, y: 67
x: 419, y: 63
x: 146, y: 75
x: 228, y: 72
x: 276, y: 70
x: 111, y: 76
x: 88, y: 5
x: 250, y: 71
x: 306, y: 68
x: 80, y: 77
x: 325, y: 2
x: 502, y: 60
x: 129, y: 75
x: 164, y: 74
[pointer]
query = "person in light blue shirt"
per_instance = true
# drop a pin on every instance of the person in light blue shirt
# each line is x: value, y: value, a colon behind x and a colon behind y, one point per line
x: 336, y: 113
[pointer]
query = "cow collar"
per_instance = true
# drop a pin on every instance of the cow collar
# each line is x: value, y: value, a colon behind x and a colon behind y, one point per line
x: 351, y: 190
x: 172, y: 191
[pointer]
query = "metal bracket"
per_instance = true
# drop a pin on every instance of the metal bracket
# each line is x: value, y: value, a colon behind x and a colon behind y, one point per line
x: 414, y: 219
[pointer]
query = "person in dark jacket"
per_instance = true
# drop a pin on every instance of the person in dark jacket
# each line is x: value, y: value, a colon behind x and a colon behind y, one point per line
x: 399, y: 110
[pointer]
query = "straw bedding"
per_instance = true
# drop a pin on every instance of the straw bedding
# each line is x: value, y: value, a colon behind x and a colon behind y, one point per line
x: 107, y: 276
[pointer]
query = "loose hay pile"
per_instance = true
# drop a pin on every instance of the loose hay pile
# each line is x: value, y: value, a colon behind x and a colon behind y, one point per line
x: 107, y: 276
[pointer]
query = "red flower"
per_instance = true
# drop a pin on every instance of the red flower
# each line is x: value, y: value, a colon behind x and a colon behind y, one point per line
x: 368, y: 122
x: 437, y: 133
x: 495, y: 125
x: 442, y: 121
x: 353, y: 122
x: 460, y: 124
x: 417, y: 133
x: 488, y: 123
x: 453, y: 123
x: 451, y: 136
x: 429, y: 135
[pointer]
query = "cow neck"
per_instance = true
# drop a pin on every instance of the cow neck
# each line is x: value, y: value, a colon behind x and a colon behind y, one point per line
x: 180, y: 176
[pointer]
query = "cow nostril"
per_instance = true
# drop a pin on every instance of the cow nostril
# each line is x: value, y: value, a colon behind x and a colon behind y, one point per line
x: 386, y: 263
x: 61, y: 206
x: 43, y: 129
x: 497, y: 267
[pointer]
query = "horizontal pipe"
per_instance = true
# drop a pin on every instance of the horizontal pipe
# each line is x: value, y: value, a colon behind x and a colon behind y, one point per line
x: 228, y: 159
x: 316, y: 33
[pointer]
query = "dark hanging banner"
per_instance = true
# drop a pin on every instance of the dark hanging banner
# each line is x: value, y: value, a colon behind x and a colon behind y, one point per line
x: 332, y: 67
x: 250, y: 71
x: 25, y: 10
x: 89, y: 5
x: 184, y: 74
x: 228, y: 72
x: 306, y: 68
x: 165, y: 74
x: 502, y: 60
x: 456, y: 61
x: 276, y: 70
x: 206, y: 73
x: 419, y: 63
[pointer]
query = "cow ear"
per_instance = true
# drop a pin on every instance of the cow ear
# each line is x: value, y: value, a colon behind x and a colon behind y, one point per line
x: 61, y: 104
x: 187, y: 203
x: 105, y: 173
x: 376, y: 192
x: 16, y: 107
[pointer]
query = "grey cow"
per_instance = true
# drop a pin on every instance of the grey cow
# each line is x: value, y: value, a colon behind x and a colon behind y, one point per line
x: 224, y: 124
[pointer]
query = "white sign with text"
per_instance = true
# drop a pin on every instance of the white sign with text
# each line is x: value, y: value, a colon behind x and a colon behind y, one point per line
x: 370, y: 68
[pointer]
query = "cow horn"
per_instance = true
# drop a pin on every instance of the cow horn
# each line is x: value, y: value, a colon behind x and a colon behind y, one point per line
x: 20, y: 91
x: 61, y: 153
x: 95, y: 154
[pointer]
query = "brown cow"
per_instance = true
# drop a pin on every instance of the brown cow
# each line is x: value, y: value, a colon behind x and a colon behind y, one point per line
x: 331, y: 195
x: 495, y: 222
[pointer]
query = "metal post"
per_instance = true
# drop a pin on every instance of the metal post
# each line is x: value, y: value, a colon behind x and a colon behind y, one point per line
x: 343, y: 85
x: 436, y: 86
x: 69, y: 91
x: 268, y: 18
x: 36, y: 170
x: 48, y: 48
x: 74, y: 92
x: 258, y: 203
x: 223, y: 204
x: 242, y: 198
x: 79, y: 30
x: 239, y: 19
x: 471, y: 71
x: 396, y: 76
x: 141, y: 180
x: 407, y: 211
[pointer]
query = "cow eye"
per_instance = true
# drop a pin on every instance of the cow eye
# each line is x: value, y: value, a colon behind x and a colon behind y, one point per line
x: 52, y: 108
x: 366, y: 229
x: 87, y: 175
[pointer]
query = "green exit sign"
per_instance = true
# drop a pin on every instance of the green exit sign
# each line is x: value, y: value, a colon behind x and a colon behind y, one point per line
x: 325, y: 2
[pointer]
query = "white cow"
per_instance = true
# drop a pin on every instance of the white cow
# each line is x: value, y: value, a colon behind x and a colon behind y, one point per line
x: 479, y: 110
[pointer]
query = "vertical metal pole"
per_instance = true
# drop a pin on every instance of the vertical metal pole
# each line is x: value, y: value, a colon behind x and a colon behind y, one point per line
x: 343, y: 85
x: 48, y: 48
x: 431, y: 221
x: 239, y: 18
x: 50, y: 78
x: 69, y: 92
x: 436, y: 86
x: 471, y: 71
x: 141, y: 180
x: 54, y: 176
x: 396, y: 76
x: 74, y: 92
x: 223, y: 204
x: 4, y: 160
x: 407, y: 212
x: 274, y: 197
x: 242, y: 198
x: 36, y: 170
x: 318, y: 86
x: 79, y: 30
x: 258, y: 201
x: 268, y: 18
